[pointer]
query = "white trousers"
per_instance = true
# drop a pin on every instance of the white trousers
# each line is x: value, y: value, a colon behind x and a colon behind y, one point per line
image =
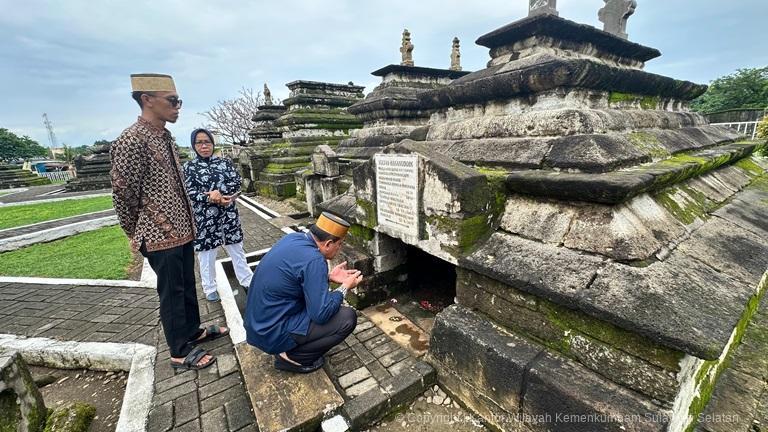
x: 207, y: 260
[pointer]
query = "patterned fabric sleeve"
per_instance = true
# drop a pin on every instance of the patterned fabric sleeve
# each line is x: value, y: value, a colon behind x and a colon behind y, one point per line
x: 128, y: 165
x: 232, y: 178
x: 195, y: 189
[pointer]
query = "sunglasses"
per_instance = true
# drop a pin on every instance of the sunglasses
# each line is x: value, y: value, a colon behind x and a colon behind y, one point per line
x: 173, y: 100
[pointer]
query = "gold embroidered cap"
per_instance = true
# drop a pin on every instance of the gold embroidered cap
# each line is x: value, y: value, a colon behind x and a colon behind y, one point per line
x: 332, y: 224
x: 147, y: 82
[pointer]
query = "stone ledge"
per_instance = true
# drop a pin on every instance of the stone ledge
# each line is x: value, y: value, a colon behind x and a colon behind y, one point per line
x: 283, y: 401
x: 550, y: 72
x: 619, y: 186
x: 471, y: 354
x: 560, y: 28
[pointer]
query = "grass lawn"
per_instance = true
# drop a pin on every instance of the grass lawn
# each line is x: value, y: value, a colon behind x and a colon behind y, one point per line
x: 100, y: 254
x: 15, y: 216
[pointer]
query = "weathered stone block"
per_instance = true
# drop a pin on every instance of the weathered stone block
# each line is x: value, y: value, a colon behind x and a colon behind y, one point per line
x: 541, y: 220
x: 71, y: 417
x: 21, y: 402
x: 325, y: 162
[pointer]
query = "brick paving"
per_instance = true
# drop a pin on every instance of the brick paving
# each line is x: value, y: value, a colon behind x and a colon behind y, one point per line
x: 212, y: 399
x: 365, y: 359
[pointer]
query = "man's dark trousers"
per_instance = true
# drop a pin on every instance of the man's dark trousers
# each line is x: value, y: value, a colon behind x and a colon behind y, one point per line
x: 322, y: 337
x: 179, y: 313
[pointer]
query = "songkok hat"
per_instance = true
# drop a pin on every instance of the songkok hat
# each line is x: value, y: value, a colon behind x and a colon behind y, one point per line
x: 332, y: 224
x: 148, y: 82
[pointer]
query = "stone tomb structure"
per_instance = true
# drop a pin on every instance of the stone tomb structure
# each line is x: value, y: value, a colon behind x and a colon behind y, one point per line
x: 92, y: 170
x: 390, y: 113
x: 610, y: 246
x: 316, y: 114
x: 13, y: 176
x: 254, y: 157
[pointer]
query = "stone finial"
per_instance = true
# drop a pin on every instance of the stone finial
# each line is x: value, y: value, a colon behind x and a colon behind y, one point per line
x: 615, y: 14
x: 455, y: 55
x: 267, y: 95
x: 406, y: 49
x: 542, y: 7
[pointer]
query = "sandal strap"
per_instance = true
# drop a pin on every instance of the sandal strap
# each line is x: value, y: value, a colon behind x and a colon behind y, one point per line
x: 194, y: 356
x: 213, y: 330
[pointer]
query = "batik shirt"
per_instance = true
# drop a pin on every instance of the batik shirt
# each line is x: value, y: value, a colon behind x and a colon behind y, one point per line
x: 148, y: 188
x: 216, y: 225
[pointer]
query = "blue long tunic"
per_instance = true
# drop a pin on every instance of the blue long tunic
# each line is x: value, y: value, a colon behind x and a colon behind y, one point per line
x: 288, y: 290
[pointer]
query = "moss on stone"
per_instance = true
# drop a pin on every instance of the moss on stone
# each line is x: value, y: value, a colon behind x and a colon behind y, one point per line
x: 750, y: 167
x: 696, y: 205
x: 708, y: 375
x: 370, y: 220
x: 361, y: 233
x: 73, y: 417
x: 569, y: 320
x: 649, y: 144
x: 645, y: 102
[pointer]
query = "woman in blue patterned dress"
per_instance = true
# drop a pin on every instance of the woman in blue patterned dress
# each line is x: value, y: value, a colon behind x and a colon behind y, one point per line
x: 213, y: 185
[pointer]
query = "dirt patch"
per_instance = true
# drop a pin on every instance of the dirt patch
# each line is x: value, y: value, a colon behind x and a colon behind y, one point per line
x: 432, y: 411
x: 103, y: 390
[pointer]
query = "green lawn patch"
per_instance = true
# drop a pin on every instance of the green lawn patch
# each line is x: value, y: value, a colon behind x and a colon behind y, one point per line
x: 16, y: 216
x: 100, y: 254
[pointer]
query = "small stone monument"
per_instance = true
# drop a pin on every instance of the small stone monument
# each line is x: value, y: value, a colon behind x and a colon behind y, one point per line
x: 92, y: 171
x: 267, y: 95
x: 455, y: 55
x: 21, y: 404
x: 406, y: 50
x: 614, y: 16
x: 540, y: 7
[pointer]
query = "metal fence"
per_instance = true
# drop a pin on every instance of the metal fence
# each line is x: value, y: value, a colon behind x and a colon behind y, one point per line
x: 57, y: 176
x: 747, y: 128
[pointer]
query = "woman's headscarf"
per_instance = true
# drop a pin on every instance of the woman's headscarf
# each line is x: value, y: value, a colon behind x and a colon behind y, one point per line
x: 210, y: 137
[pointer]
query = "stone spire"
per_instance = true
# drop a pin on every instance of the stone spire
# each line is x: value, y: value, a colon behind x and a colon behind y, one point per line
x: 267, y: 95
x: 615, y: 14
x: 455, y: 55
x: 540, y: 7
x: 406, y: 49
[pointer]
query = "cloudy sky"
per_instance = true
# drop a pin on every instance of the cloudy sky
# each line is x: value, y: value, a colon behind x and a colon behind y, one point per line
x: 72, y: 59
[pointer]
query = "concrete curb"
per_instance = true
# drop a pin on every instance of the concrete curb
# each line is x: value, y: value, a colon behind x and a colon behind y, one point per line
x: 53, y: 199
x: 51, y: 234
x: 136, y: 359
x: 52, y: 220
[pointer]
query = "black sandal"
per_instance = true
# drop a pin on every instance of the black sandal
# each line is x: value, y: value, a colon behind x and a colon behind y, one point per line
x: 192, y: 359
x: 211, y: 332
x: 285, y: 365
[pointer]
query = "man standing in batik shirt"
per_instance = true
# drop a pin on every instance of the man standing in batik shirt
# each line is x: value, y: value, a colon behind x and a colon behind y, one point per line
x: 152, y: 207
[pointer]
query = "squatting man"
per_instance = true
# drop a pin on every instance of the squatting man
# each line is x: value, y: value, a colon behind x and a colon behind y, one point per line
x: 290, y: 310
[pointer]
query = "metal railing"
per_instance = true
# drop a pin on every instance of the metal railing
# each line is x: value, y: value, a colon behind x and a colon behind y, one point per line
x: 747, y: 128
x: 57, y: 176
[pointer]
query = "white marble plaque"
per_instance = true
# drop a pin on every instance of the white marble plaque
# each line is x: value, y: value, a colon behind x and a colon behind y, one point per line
x: 397, y: 193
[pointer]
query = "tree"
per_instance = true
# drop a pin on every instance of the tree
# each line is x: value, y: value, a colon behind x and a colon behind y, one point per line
x: 746, y: 88
x: 231, y: 118
x: 13, y: 146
